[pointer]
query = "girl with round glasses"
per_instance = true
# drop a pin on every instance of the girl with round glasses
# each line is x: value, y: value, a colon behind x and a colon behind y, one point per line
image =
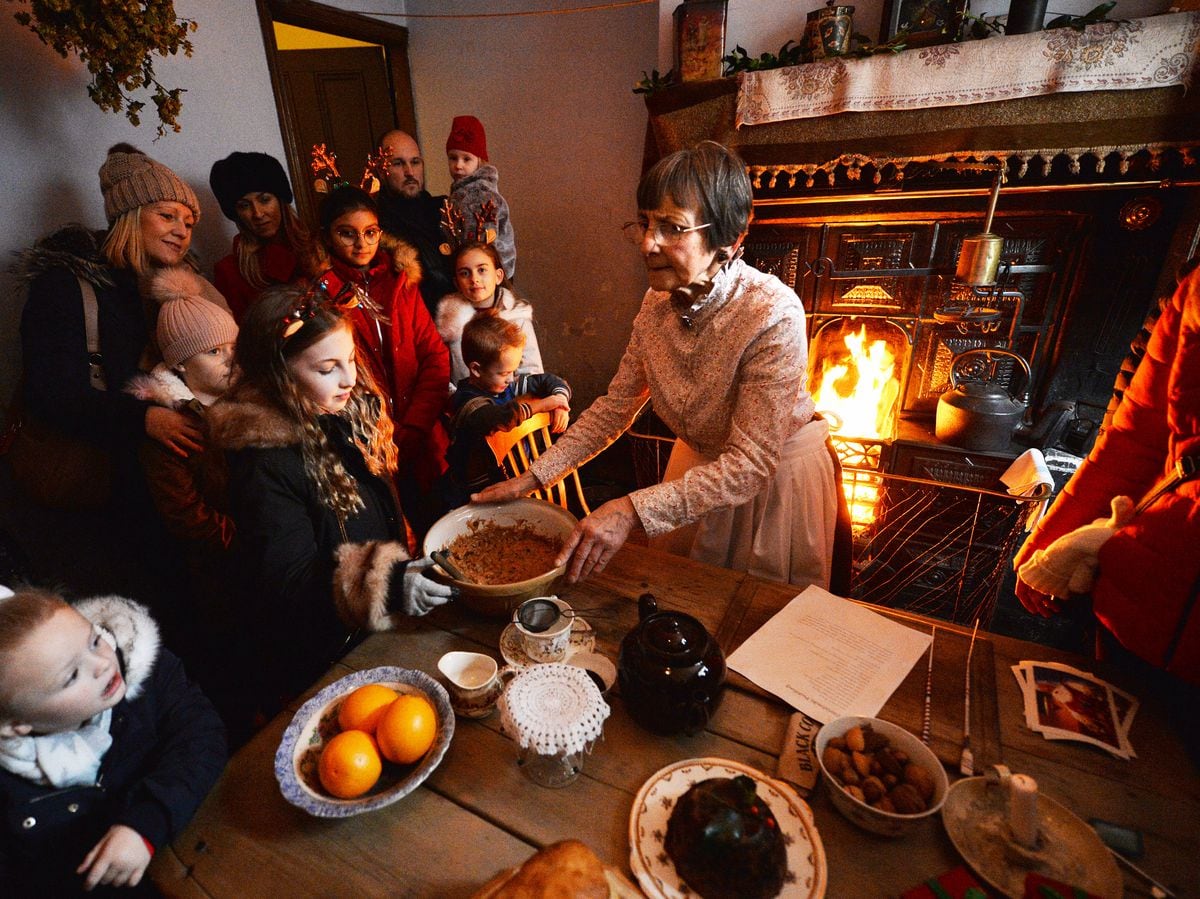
x: 720, y: 349
x: 394, y: 332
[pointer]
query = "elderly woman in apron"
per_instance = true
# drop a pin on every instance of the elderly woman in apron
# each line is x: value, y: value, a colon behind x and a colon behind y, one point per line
x: 720, y: 348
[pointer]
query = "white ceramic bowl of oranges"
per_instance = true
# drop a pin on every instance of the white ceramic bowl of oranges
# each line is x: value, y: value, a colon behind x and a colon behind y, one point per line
x: 364, y: 742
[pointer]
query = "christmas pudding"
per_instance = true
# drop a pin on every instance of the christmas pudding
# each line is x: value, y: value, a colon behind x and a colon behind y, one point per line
x: 725, y: 842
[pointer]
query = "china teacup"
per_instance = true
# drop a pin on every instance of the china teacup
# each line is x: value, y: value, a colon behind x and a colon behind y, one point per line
x: 549, y: 644
x: 475, y: 682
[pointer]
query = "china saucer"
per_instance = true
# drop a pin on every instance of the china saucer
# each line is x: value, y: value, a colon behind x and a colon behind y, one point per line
x: 583, y: 639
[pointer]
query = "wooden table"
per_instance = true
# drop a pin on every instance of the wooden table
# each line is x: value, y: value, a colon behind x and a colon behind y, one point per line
x: 477, y: 813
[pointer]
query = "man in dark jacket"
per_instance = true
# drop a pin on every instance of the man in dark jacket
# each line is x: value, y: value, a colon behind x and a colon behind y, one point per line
x: 408, y: 211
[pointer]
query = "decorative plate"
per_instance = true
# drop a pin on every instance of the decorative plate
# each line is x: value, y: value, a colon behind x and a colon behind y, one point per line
x: 807, y: 874
x: 976, y: 818
x: 583, y: 639
x: 315, y: 722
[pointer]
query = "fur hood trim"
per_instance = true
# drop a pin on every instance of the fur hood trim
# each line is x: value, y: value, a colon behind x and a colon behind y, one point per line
x: 72, y: 247
x: 180, y: 282
x: 135, y: 631
x: 242, y: 419
x: 454, y: 311
x: 403, y: 255
x: 162, y: 387
x: 362, y: 581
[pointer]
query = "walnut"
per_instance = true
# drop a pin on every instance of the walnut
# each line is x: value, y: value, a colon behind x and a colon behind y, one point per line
x: 907, y: 800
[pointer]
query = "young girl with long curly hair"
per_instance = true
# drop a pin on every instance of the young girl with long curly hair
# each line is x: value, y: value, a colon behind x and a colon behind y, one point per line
x: 322, y: 551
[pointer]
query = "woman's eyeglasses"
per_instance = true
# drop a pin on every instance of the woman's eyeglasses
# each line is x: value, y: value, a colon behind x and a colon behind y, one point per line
x: 348, y: 237
x: 662, y: 233
x: 313, y: 299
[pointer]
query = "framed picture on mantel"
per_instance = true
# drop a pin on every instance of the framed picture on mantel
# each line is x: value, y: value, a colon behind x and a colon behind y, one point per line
x: 927, y: 21
x: 699, y: 39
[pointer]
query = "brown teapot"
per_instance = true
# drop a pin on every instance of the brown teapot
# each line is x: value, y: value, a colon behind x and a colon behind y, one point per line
x: 671, y: 671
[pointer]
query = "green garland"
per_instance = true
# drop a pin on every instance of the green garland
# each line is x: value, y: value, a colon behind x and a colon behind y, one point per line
x: 116, y: 40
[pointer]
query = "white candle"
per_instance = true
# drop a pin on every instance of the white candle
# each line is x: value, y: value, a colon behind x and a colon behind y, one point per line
x: 1023, y: 810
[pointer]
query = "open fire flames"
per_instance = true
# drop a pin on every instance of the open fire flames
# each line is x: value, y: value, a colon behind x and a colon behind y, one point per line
x: 858, y: 391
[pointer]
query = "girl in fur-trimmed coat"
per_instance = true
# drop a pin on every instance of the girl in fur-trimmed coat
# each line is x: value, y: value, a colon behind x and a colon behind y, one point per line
x: 99, y: 771
x: 321, y: 552
x: 394, y: 330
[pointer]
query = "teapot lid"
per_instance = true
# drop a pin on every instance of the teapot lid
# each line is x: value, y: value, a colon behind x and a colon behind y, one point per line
x: 680, y: 639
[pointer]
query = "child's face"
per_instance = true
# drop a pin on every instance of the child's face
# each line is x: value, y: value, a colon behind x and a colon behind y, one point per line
x: 325, y: 372
x: 477, y: 278
x: 461, y: 163
x: 494, y: 378
x: 354, y: 237
x: 260, y: 213
x: 207, y: 374
x: 61, y: 675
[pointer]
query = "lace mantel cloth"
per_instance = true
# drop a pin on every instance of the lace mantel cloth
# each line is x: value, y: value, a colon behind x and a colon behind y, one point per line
x: 1159, y: 51
x: 553, y: 708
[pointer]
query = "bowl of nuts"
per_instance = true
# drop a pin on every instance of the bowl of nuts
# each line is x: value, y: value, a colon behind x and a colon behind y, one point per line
x: 879, y: 775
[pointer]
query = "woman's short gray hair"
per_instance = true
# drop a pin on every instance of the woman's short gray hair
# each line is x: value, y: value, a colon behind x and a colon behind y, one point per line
x: 708, y: 178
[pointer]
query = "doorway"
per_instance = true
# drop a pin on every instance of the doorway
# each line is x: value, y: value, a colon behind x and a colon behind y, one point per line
x: 344, y: 94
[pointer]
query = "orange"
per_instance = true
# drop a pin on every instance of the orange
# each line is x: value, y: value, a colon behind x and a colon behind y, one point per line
x: 349, y: 764
x: 362, y: 709
x: 407, y: 728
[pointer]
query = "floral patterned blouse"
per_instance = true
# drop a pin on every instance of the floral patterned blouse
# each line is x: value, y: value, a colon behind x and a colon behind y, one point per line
x: 733, y: 386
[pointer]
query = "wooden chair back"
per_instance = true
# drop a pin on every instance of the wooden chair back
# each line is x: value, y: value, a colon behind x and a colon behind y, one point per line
x: 516, y: 450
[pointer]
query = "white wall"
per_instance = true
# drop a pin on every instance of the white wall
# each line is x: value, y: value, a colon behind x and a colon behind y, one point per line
x: 54, y: 138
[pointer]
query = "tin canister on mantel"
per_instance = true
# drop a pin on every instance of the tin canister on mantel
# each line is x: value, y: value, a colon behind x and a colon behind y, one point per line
x: 828, y: 31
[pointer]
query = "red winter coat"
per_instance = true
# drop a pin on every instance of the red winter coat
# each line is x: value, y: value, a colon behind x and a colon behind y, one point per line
x: 412, y: 365
x: 1145, y: 593
x: 277, y: 264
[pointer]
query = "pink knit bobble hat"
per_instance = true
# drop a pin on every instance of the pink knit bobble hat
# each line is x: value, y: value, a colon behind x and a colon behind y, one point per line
x: 188, y: 323
x: 129, y: 179
x: 466, y: 133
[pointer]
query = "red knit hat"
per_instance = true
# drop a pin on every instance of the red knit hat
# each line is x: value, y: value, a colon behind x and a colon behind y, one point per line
x: 466, y: 133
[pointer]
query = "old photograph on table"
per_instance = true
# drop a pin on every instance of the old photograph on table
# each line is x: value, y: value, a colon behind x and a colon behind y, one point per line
x: 1064, y: 703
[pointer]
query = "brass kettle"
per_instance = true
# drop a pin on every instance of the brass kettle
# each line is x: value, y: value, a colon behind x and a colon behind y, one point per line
x: 978, y: 412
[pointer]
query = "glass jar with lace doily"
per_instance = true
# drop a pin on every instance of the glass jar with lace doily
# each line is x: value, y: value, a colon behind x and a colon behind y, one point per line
x: 554, y: 713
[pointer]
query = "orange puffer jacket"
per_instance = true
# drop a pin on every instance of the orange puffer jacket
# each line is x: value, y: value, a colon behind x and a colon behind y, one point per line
x: 1146, y: 590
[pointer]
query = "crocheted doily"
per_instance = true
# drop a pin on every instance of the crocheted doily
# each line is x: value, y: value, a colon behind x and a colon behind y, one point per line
x: 553, y: 708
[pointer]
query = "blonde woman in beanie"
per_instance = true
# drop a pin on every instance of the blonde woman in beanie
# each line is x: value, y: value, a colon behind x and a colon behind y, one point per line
x: 151, y: 213
x: 76, y: 392
x: 255, y: 195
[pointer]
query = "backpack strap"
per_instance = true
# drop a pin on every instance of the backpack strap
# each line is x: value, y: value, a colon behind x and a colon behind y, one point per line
x: 91, y: 327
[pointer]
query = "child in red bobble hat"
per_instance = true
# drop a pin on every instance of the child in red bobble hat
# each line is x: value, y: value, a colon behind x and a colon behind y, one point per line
x: 476, y: 184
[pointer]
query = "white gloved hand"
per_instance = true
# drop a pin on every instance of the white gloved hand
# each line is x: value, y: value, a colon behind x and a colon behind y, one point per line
x: 1069, y: 564
x: 420, y: 592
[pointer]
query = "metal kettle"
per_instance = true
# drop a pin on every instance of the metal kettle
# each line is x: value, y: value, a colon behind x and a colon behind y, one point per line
x: 671, y: 671
x: 978, y: 412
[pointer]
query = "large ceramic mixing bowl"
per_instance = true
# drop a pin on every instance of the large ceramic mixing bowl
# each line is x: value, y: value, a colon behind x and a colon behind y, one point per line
x: 499, y: 600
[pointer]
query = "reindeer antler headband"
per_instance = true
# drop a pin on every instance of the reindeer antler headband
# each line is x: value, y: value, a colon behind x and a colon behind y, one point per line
x: 326, y: 176
x: 458, y: 230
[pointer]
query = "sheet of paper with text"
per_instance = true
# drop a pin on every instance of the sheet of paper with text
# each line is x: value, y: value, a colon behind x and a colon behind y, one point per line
x: 830, y: 657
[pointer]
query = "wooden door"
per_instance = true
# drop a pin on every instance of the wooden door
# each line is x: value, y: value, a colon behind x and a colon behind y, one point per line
x: 339, y: 98
x: 345, y: 98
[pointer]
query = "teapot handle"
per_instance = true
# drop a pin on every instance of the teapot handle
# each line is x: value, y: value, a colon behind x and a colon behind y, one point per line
x: 647, y: 606
x: 989, y: 353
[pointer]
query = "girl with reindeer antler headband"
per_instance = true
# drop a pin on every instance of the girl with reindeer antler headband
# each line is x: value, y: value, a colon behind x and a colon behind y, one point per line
x: 394, y: 332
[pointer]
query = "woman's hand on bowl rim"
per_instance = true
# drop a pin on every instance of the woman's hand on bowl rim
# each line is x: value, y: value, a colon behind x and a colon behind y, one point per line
x: 597, y: 538
x: 513, y: 488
